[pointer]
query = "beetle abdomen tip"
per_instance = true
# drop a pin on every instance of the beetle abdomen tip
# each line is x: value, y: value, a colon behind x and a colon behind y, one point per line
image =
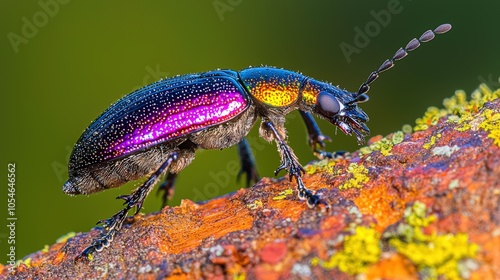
x: 70, y: 188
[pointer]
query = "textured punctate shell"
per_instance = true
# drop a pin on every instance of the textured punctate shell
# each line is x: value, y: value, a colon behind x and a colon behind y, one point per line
x: 158, y: 113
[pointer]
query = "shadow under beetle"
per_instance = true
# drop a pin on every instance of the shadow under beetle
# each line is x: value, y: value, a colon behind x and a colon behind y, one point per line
x: 157, y: 129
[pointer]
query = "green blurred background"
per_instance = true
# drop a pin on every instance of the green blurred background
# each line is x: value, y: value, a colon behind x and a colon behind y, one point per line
x: 84, y: 55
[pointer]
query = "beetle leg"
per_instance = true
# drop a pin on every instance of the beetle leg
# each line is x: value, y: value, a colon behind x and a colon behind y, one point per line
x: 291, y: 163
x: 247, y: 163
x: 114, y: 224
x: 167, y: 188
x: 316, y: 138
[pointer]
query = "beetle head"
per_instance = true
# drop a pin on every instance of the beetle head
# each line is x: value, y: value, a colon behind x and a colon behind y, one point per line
x: 336, y: 105
x: 342, y: 110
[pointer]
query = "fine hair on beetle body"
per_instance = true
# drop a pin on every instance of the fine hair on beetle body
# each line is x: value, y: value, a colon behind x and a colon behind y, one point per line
x: 155, y: 131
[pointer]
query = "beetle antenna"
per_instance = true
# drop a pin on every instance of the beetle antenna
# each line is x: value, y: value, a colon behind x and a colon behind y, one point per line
x: 428, y: 35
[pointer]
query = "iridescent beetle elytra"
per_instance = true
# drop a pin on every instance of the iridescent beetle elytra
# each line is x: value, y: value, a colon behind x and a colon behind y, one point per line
x: 157, y: 129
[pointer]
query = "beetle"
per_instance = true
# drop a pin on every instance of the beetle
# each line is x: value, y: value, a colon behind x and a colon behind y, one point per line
x: 157, y: 129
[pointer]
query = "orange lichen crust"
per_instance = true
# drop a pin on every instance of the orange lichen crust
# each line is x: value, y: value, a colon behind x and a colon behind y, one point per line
x: 421, y: 205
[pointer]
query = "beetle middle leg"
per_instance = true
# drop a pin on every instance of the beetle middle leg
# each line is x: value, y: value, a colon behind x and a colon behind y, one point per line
x: 247, y: 162
x: 290, y: 161
x: 136, y: 199
x: 167, y: 188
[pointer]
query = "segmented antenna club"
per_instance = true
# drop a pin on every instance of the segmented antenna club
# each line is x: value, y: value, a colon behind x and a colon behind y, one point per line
x: 400, y: 54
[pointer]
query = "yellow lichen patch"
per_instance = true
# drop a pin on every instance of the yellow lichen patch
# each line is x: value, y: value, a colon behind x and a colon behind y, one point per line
x: 26, y: 262
x: 407, y: 129
x: 359, y: 177
x: 384, y: 145
x: 432, y: 141
x: 416, y: 215
x: 430, y: 118
x: 239, y: 276
x: 65, y: 237
x: 434, y: 255
x: 237, y: 272
x: 465, y: 121
x: 481, y: 96
x: 459, y: 106
x: 491, y: 124
x: 360, y: 250
x: 254, y: 205
x: 324, y: 165
x: 282, y: 195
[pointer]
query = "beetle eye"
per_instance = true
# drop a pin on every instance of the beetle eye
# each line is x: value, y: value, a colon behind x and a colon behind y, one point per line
x: 327, y: 104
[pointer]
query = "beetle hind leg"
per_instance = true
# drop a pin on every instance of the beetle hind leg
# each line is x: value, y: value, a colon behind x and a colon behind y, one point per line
x: 136, y: 199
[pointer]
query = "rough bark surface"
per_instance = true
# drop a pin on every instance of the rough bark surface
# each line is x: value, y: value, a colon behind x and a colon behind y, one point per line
x: 420, y: 205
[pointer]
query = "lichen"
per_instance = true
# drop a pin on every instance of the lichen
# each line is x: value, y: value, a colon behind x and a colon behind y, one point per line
x: 445, y: 150
x: 359, y: 177
x: 325, y: 165
x: 238, y: 274
x: 491, y: 124
x: 454, y: 184
x: 407, y: 129
x: 384, y: 145
x: 26, y: 262
x: 432, y: 141
x: 65, y: 237
x: 430, y: 118
x: 282, y: 195
x: 398, y: 137
x: 254, y: 205
x: 360, y: 250
x: 434, y: 255
x: 458, y: 106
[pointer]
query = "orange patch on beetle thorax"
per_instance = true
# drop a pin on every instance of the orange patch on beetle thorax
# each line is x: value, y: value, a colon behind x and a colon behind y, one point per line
x: 276, y: 95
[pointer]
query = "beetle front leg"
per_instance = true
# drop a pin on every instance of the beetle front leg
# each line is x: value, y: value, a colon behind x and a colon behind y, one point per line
x: 290, y: 162
x: 316, y: 138
x: 136, y: 199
